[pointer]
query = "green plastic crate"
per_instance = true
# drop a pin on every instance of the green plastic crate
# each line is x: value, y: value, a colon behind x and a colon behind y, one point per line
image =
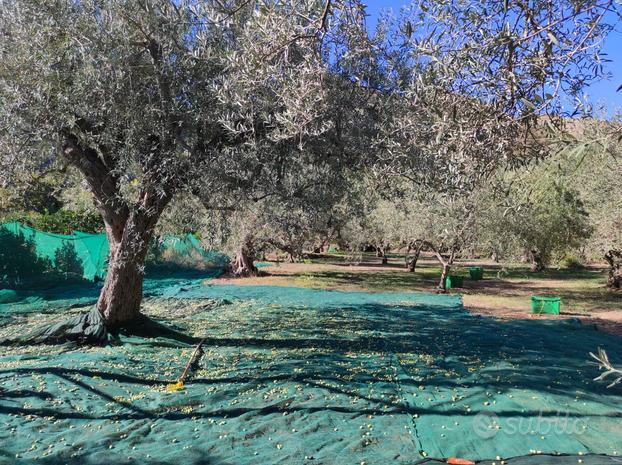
x: 547, y: 305
x: 476, y: 273
x: 452, y: 281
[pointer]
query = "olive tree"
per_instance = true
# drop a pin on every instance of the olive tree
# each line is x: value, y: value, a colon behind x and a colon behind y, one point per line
x: 284, y: 225
x: 374, y: 219
x: 292, y: 218
x: 151, y: 98
x: 593, y: 165
x: 472, y: 85
x: 416, y: 220
x: 570, y: 201
x: 547, y: 223
x: 445, y: 225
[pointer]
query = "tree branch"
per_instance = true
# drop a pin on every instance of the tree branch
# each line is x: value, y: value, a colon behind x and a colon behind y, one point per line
x: 102, y: 182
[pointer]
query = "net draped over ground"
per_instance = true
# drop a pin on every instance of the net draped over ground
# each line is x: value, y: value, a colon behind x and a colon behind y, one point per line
x: 302, y: 376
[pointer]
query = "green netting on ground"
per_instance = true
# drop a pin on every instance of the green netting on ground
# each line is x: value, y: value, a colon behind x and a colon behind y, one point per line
x: 31, y: 258
x: 301, y: 376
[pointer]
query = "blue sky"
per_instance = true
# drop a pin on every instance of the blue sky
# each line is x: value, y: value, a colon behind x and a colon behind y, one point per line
x: 603, y: 91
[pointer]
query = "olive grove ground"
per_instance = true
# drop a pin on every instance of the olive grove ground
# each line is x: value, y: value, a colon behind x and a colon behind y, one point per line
x: 504, y: 293
x: 309, y: 376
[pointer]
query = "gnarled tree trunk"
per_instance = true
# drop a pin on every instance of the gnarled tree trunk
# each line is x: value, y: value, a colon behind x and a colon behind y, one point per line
x: 128, y: 228
x: 412, y: 263
x: 614, y: 259
x: 243, y: 265
x: 537, y: 263
x: 121, y: 296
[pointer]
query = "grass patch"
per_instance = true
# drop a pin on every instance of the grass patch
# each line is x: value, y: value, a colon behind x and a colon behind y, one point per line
x: 505, y: 287
x: 373, y: 281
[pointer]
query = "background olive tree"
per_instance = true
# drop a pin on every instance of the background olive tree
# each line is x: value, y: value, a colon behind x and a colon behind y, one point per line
x: 482, y: 88
x: 595, y: 165
x: 546, y: 218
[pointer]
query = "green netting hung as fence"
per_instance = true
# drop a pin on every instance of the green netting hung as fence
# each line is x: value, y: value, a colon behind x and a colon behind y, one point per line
x: 29, y: 257
x: 185, y: 253
x: 32, y: 257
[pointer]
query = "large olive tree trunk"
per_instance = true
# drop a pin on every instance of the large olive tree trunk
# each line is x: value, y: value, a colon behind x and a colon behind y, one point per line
x: 242, y: 265
x: 122, y: 293
x: 129, y: 228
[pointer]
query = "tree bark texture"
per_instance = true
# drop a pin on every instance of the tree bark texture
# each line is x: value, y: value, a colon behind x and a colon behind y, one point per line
x: 121, y: 296
x: 614, y: 278
x: 128, y: 229
x: 412, y: 263
x: 536, y: 261
x: 243, y: 265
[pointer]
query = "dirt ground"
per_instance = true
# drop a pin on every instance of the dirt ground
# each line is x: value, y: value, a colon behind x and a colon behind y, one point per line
x: 504, y: 293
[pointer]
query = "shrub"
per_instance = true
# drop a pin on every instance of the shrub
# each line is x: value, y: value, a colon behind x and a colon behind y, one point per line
x: 60, y: 222
x: 572, y: 262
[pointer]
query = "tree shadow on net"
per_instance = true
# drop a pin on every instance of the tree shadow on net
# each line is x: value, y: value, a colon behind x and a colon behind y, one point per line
x: 519, y: 355
x: 193, y: 457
